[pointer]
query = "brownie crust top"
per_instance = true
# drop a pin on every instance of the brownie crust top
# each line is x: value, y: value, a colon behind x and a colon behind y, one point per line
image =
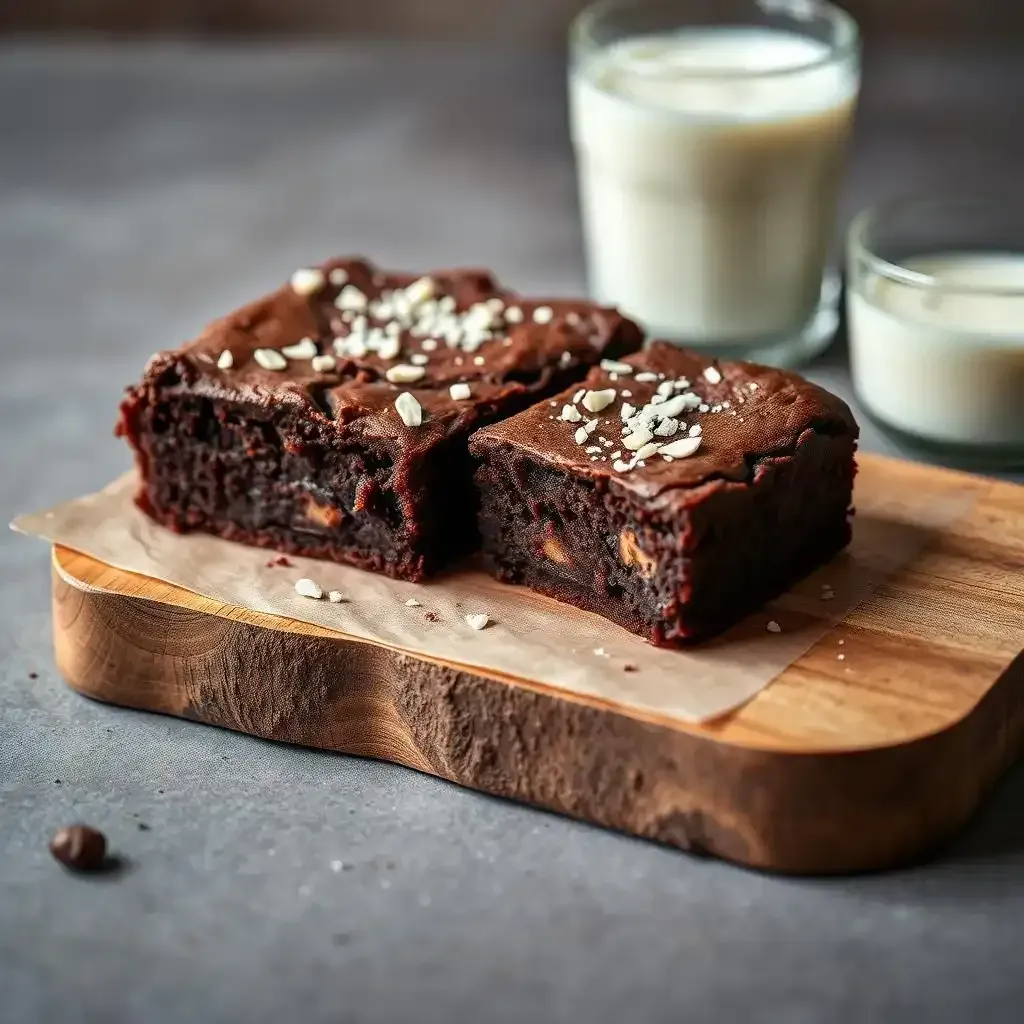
x: 667, y: 420
x: 347, y: 339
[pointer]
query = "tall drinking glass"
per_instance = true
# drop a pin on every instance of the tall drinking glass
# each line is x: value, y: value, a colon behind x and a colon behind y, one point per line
x: 710, y: 137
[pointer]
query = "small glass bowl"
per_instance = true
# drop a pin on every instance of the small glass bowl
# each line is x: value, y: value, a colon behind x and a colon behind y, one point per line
x: 935, y: 311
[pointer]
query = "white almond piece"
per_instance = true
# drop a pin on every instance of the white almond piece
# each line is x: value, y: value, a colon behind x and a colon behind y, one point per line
x: 579, y: 394
x: 306, y: 587
x: 335, y: 597
x: 712, y: 375
x: 673, y: 406
x: 649, y: 449
x: 413, y: 603
x: 565, y: 360
x: 620, y: 467
x: 353, y: 346
x: 307, y: 281
x: 420, y: 291
x: 477, y: 620
x: 304, y: 349
x: 773, y: 627
x: 666, y: 428
x: 480, y: 317
x: 338, y: 276
x: 409, y: 409
x: 403, y: 373
x: 639, y: 437
x: 682, y: 448
x: 392, y: 328
x: 570, y: 414
x: 418, y: 359
x: 628, y: 411
x: 690, y: 401
x: 460, y: 392
x: 616, y: 455
x: 666, y: 388
x: 429, y: 344
x: 543, y: 315
x: 446, y: 303
x: 350, y: 297
x: 270, y: 359
x: 496, y: 304
x: 614, y: 366
x: 752, y: 386
x: 323, y: 364
x: 695, y: 430
x: 645, y: 377
x: 514, y: 315
x: 595, y: 401
x: 225, y: 360
x: 657, y: 399
x: 594, y: 449
x: 389, y: 348
x: 581, y: 435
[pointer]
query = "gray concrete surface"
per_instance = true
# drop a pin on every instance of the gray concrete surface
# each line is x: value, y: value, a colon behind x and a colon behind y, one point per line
x: 143, y: 192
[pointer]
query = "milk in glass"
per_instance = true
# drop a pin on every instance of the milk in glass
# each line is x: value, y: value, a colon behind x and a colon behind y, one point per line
x: 709, y: 161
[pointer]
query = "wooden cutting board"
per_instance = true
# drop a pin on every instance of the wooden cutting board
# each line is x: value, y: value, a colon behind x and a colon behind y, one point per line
x: 841, y: 764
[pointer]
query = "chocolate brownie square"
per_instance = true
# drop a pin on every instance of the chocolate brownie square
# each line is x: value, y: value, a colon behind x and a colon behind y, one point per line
x: 331, y: 417
x: 669, y: 492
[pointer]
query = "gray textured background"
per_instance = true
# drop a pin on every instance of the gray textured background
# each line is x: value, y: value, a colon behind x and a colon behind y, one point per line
x: 143, y: 192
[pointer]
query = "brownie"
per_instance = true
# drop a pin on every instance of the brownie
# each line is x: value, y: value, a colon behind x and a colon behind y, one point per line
x: 331, y: 417
x: 671, y: 493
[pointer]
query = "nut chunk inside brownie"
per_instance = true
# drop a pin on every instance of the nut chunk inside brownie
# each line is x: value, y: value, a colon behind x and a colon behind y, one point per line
x: 669, y: 492
x: 331, y: 418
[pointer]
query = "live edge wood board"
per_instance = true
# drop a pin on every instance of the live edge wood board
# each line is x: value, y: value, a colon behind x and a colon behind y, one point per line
x: 838, y: 766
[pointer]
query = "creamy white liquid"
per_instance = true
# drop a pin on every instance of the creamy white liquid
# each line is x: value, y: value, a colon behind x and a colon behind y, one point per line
x: 943, y: 364
x: 708, y: 197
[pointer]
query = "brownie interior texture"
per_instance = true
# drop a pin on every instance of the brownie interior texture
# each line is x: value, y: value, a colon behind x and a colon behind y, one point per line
x: 674, y: 551
x: 312, y: 457
x: 579, y: 541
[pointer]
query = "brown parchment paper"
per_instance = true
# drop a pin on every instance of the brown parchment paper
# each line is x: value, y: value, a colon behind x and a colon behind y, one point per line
x: 529, y: 637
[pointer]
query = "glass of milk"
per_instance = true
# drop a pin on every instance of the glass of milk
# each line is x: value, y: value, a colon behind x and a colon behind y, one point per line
x: 935, y: 299
x: 709, y: 139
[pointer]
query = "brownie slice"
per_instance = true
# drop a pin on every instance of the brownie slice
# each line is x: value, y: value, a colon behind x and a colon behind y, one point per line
x: 671, y: 493
x: 331, y: 417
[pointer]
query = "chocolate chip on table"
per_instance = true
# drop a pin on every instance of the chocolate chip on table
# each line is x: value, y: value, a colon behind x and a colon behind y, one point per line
x: 80, y: 848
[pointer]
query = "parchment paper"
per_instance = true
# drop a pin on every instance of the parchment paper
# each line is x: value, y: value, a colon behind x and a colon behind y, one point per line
x: 529, y: 637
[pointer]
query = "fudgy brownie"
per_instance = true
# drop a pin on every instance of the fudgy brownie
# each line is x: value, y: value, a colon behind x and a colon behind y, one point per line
x: 331, y: 417
x: 670, y: 492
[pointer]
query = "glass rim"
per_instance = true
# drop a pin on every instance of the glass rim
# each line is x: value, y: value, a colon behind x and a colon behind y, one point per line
x: 858, y: 249
x: 844, y: 45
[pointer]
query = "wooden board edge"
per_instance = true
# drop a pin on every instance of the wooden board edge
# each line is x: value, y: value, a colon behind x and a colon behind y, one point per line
x: 800, y: 812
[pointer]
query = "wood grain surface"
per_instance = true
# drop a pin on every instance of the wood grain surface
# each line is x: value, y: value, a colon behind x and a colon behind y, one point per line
x: 841, y: 764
